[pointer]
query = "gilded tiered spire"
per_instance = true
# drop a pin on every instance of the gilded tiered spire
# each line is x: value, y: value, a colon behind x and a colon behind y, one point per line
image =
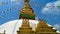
x: 26, y: 11
x: 25, y: 28
x: 26, y: 4
x: 43, y: 28
x: 25, y: 23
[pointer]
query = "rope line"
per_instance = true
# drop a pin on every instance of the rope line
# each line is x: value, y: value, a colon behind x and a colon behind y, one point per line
x: 15, y: 26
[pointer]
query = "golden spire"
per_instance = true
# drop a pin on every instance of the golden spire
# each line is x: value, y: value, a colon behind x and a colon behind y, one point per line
x: 26, y: 3
x: 25, y: 23
x: 43, y: 27
x: 26, y: 11
x: 42, y: 23
x: 26, y: 0
x: 25, y: 28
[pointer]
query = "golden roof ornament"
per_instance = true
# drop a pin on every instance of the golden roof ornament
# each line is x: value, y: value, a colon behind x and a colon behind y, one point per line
x: 26, y: 0
x: 26, y: 11
x: 25, y: 28
x: 25, y: 23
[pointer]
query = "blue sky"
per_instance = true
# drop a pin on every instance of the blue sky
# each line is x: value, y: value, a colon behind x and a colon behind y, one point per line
x: 9, y: 10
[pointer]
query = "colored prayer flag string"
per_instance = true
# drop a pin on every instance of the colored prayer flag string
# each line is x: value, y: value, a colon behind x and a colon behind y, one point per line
x: 1, y: 3
x: 12, y: 8
x: 9, y: 10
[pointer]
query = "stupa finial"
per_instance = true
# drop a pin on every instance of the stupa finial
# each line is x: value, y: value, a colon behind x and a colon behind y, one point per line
x: 26, y: 11
x: 26, y: 0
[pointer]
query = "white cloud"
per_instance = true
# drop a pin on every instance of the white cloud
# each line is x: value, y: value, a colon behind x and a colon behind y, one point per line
x: 57, y: 26
x: 52, y: 8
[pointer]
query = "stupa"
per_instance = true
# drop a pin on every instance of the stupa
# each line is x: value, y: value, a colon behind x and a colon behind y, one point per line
x: 27, y: 23
x: 27, y: 14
